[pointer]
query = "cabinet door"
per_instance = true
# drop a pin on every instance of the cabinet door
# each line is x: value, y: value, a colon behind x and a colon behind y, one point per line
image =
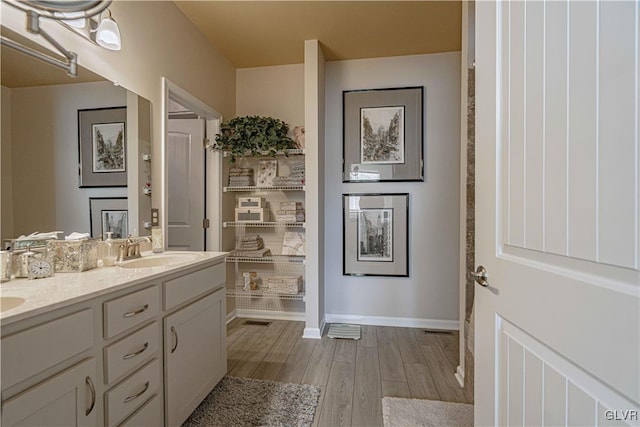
x: 66, y: 399
x: 195, y: 355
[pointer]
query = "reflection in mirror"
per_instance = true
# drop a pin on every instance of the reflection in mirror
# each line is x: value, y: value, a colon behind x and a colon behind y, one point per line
x: 39, y: 144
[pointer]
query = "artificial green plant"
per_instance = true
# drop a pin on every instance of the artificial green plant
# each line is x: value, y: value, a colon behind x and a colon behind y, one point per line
x: 253, y: 136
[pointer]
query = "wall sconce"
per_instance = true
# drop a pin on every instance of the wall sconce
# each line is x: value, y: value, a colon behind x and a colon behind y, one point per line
x: 74, y: 15
x: 107, y: 34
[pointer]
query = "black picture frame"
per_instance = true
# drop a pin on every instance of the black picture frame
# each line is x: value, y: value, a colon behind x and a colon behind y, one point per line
x: 102, y: 147
x: 114, y: 206
x: 375, y: 234
x: 393, y: 151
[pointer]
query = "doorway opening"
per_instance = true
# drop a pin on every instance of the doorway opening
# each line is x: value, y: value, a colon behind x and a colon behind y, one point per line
x: 191, y: 175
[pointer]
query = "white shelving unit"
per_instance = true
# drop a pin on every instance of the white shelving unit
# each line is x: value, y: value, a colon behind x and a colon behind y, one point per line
x: 262, y: 303
x: 263, y: 224
x: 255, y: 188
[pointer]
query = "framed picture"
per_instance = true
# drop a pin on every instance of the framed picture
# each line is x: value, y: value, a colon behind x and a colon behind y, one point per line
x: 383, y: 135
x: 109, y: 214
x: 376, y: 234
x: 102, y: 147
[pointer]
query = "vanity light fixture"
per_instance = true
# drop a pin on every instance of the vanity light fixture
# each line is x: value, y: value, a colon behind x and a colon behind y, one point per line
x: 107, y: 34
x: 75, y: 15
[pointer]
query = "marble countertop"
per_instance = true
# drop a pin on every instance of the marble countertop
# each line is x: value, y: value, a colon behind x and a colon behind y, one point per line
x: 64, y: 289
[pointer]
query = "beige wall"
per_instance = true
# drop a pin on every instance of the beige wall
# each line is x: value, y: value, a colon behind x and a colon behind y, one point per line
x: 158, y: 41
x: 272, y: 91
x: 44, y: 132
x: 6, y: 211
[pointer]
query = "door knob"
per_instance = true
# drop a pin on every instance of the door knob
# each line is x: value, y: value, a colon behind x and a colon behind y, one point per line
x: 481, y: 276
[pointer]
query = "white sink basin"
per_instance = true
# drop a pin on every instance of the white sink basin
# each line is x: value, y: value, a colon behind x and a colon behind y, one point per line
x: 160, y: 260
x: 7, y: 303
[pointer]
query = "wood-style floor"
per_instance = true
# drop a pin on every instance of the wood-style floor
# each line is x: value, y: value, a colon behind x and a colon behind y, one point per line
x: 353, y: 375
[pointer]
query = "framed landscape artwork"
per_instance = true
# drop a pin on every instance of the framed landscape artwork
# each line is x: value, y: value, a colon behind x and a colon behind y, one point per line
x: 383, y: 135
x: 102, y: 146
x: 375, y: 234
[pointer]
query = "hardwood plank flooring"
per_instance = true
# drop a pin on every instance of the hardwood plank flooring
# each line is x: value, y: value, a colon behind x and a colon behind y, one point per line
x: 259, y: 348
x: 353, y: 375
x: 368, y: 336
x: 391, y: 368
x: 345, y: 351
x: 367, y: 393
x: 275, y: 359
x: 408, y: 345
x: 396, y: 389
x: 319, y: 365
x: 337, y: 405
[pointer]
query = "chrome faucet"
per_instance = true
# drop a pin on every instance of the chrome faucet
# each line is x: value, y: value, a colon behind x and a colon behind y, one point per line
x: 130, y: 249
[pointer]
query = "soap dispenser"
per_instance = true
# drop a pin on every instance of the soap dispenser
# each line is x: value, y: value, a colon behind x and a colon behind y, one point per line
x: 110, y: 251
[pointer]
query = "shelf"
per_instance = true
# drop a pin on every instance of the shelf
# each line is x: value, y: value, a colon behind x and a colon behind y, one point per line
x: 263, y: 224
x: 255, y: 188
x: 238, y: 292
x: 291, y: 152
x: 273, y: 259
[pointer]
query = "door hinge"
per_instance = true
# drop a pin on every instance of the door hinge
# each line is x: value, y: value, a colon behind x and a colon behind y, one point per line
x: 205, y: 223
x: 205, y: 143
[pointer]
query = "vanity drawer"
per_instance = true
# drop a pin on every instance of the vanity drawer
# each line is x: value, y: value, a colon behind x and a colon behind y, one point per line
x: 126, y: 397
x: 184, y: 288
x: 130, y: 310
x: 35, y: 349
x: 129, y: 353
x: 149, y: 415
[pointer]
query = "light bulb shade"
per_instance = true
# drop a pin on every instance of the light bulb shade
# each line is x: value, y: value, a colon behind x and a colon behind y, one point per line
x: 108, y: 34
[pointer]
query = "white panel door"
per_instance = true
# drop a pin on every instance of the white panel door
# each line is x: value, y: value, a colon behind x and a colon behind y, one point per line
x: 558, y: 219
x: 186, y: 193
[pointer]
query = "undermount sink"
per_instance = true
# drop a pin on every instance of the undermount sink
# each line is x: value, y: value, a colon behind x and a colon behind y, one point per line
x: 160, y: 260
x: 7, y: 303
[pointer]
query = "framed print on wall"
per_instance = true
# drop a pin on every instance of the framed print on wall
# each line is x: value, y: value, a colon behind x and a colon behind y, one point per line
x: 109, y: 214
x: 102, y: 147
x: 375, y: 233
x: 383, y: 135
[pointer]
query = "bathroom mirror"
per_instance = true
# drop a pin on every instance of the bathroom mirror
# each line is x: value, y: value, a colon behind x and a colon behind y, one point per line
x: 40, y: 186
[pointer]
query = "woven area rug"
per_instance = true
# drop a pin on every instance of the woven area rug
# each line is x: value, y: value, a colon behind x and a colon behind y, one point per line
x: 398, y: 412
x: 249, y: 402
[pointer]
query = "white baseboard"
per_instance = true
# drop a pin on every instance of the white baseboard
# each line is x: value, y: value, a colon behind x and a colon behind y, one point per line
x: 403, y: 322
x: 230, y: 316
x: 314, y: 333
x: 460, y: 376
x: 271, y: 315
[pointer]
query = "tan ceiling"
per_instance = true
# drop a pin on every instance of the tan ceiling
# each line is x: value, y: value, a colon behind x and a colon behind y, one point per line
x: 262, y: 33
x: 20, y: 70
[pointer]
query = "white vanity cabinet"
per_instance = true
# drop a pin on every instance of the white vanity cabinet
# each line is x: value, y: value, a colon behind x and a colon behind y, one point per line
x: 66, y: 399
x: 132, y: 364
x: 194, y: 341
x: 53, y: 358
x: 146, y: 352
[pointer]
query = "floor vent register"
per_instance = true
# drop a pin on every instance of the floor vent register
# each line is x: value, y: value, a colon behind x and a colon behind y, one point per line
x: 344, y: 331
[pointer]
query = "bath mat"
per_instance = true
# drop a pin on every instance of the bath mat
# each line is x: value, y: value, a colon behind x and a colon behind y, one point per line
x: 249, y: 402
x: 344, y: 331
x: 397, y: 412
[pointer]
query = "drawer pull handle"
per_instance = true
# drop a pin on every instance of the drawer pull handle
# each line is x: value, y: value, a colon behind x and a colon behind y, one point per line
x: 175, y: 334
x: 135, y: 353
x: 136, y: 312
x: 89, y: 383
x: 137, y: 395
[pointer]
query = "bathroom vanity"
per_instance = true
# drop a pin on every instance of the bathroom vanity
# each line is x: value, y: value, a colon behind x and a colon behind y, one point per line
x: 141, y: 344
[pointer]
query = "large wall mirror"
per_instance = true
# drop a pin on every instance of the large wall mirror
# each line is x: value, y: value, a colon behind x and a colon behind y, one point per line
x: 46, y: 118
